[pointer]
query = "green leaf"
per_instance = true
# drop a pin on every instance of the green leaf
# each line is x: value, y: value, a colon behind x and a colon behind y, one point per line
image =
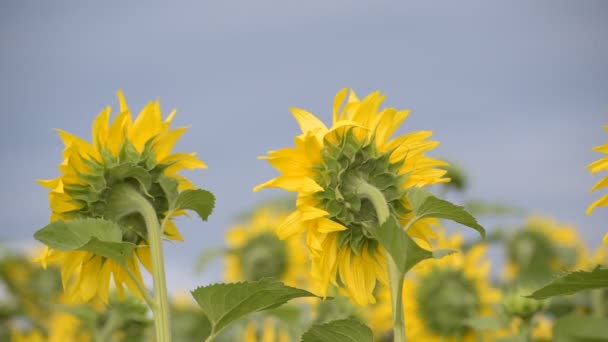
x: 116, y: 251
x: 98, y: 236
x: 225, y: 303
x: 201, y: 201
x: 580, y: 329
x: 425, y: 204
x: 71, y: 235
x: 344, y: 330
x: 573, y: 282
x: 405, y: 252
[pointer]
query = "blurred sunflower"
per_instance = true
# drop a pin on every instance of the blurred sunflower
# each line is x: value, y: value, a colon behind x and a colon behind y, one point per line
x: 255, y: 252
x: 595, y: 167
x: 270, y: 331
x: 440, y: 295
x: 328, y: 166
x: 541, y: 249
x: 61, y: 327
x: 137, y: 153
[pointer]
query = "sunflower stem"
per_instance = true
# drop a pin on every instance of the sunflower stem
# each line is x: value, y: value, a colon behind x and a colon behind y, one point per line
x: 396, y: 277
x: 160, y: 308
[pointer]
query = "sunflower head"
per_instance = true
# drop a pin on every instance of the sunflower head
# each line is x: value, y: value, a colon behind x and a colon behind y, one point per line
x: 439, y: 295
x: 542, y: 248
x: 255, y: 252
x: 124, y: 153
x: 328, y: 167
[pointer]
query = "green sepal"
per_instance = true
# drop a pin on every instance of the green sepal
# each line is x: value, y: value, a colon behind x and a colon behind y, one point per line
x: 344, y: 330
x: 122, y: 172
x: 401, y: 247
x: 578, y: 328
x: 200, y: 201
x: 98, y: 236
x: 573, y: 282
x: 424, y: 204
x: 225, y: 303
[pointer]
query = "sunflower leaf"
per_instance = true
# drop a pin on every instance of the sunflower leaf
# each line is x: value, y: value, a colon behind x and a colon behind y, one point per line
x: 343, y: 330
x: 116, y: 251
x: 71, y: 235
x: 573, y: 282
x: 225, y: 303
x: 405, y: 252
x: 199, y: 200
x: 424, y: 204
x: 578, y: 328
x: 98, y: 236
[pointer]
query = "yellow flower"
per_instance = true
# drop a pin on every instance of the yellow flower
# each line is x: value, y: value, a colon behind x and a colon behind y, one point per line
x: 325, y: 168
x: 597, y: 166
x: 269, y: 332
x: 31, y: 336
x: 255, y: 251
x: 541, y: 249
x: 123, y: 151
x: 440, y: 294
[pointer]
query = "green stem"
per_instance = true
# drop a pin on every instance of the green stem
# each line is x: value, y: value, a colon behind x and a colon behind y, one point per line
x: 161, y: 302
x: 396, y: 277
x: 597, y: 303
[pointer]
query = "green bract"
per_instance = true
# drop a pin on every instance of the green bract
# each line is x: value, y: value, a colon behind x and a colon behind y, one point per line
x: 343, y: 167
x: 140, y: 170
x: 447, y: 299
x: 263, y: 256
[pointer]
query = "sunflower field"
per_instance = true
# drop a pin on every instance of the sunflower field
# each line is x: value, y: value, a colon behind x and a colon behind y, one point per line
x: 365, y: 248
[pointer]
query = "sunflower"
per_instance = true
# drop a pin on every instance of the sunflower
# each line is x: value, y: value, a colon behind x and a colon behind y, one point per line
x: 541, y: 249
x: 124, y: 151
x: 440, y: 295
x: 597, y: 166
x: 328, y: 165
x: 255, y: 252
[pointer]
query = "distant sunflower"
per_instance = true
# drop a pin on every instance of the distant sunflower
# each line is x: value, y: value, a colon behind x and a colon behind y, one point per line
x: 255, y: 252
x: 270, y: 331
x: 123, y: 151
x: 439, y: 295
x: 595, y: 167
x: 326, y: 168
x: 542, y: 248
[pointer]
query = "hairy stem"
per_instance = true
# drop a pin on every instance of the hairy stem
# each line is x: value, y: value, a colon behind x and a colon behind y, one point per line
x: 161, y: 302
x: 396, y: 277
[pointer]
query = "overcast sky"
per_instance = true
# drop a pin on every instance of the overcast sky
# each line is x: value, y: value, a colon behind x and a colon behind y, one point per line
x: 515, y: 91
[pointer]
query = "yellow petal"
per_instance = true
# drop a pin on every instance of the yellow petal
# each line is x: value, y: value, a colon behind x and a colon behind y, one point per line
x: 171, y: 232
x: 88, y: 280
x: 179, y: 161
x: 164, y: 142
x: 307, y: 121
x: 602, y: 202
x: 338, y: 100
x: 104, y: 281
x: 291, y: 226
x: 601, y: 184
x: 147, y: 124
x: 118, y: 131
x: 100, y: 128
x: 598, y: 165
x: 143, y: 254
x: 122, y: 102
x: 326, y: 225
x: 296, y: 184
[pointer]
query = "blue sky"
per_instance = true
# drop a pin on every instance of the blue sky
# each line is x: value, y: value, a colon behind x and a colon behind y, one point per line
x: 515, y: 91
